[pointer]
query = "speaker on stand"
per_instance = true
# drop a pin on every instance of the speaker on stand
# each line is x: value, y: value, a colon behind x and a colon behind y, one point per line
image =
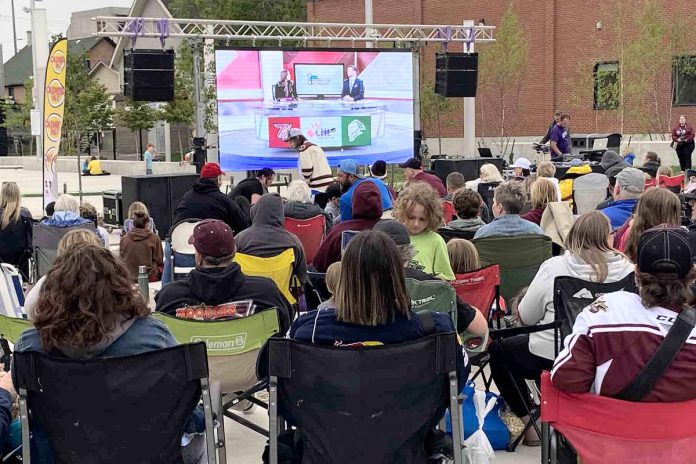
x: 456, y: 74
x: 148, y: 75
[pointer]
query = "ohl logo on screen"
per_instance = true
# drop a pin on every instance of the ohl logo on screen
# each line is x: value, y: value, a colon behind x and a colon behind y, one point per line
x: 53, y: 124
x: 56, y: 93
x: 58, y: 61
x: 317, y: 131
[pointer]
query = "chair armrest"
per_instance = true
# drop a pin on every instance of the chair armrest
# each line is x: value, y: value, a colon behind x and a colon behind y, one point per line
x: 513, y: 331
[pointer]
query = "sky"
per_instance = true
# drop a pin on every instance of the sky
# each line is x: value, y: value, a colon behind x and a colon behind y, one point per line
x: 58, y: 13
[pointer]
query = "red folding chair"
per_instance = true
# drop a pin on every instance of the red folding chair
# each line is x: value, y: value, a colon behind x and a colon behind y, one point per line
x: 603, y: 429
x: 650, y: 183
x: 674, y: 183
x: 448, y: 211
x: 309, y: 231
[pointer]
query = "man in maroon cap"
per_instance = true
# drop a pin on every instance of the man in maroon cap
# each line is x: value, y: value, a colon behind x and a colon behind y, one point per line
x: 206, y: 201
x: 217, y: 281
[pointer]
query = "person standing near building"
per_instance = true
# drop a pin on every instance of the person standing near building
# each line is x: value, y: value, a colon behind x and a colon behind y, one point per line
x: 556, y: 120
x: 560, y: 138
x: 147, y: 157
x: 683, y: 142
x: 313, y: 165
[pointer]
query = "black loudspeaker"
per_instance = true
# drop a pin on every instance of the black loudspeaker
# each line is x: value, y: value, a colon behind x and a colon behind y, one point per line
x: 456, y: 74
x: 148, y: 75
x: 3, y: 141
x: 160, y: 194
x: 469, y: 167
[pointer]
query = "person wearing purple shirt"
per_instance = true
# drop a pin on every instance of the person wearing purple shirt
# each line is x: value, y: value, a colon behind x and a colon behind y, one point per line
x: 560, y: 138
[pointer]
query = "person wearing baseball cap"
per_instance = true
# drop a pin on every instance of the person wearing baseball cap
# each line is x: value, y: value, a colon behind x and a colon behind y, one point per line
x: 206, y: 201
x: 313, y: 164
x: 413, y: 171
x: 521, y: 167
x: 630, y: 184
x: 615, y: 336
x: 218, y: 280
x: 349, y: 177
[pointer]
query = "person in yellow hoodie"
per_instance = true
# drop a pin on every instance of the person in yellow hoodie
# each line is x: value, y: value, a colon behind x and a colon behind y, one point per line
x: 577, y: 169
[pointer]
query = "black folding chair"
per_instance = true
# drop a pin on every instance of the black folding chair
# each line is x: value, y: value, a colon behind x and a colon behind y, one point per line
x: 487, y: 191
x: 370, y: 404
x: 116, y: 410
x: 571, y: 296
x: 315, y: 289
x: 448, y: 234
x: 45, y: 243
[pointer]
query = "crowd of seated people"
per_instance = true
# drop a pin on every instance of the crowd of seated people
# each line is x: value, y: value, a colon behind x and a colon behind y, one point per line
x: 366, y: 278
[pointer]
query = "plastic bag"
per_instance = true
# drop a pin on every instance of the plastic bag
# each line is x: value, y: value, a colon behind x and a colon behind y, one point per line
x: 478, y: 448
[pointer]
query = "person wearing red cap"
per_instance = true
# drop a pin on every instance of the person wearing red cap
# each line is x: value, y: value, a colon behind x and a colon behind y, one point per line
x: 217, y: 280
x: 206, y: 201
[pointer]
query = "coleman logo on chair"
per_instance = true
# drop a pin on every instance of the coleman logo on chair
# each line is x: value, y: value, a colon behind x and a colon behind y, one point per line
x: 228, y: 343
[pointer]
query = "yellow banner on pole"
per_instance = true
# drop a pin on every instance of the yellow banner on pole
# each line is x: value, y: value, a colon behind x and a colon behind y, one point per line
x: 54, y: 107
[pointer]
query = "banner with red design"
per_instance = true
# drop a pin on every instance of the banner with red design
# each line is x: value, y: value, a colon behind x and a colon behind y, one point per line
x: 54, y: 106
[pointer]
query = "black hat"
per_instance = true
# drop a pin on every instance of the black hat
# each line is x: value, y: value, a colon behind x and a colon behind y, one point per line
x: 379, y: 169
x: 396, y: 230
x: 664, y: 252
x: 413, y: 163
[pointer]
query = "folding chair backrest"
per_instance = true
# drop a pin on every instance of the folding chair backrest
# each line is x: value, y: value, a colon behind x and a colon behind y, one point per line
x: 11, y: 293
x: 113, y: 410
x: 571, y: 296
x: 277, y: 268
x: 433, y: 295
x: 650, y: 183
x: 448, y: 234
x: 487, y: 190
x: 674, y: 184
x: 518, y: 257
x: 327, y: 391
x: 309, y: 231
x: 182, y: 253
x: 479, y: 287
x: 45, y: 243
x: 233, y: 345
x: 12, y: 327
x: 448, y: 211
x: 603, y: 429
x: 589, y: 191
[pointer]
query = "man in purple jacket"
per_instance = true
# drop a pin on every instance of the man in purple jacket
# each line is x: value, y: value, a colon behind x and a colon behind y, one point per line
x: 560, y: 138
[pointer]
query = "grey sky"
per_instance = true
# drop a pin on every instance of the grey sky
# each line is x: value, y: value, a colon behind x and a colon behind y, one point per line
x: 58, y: 12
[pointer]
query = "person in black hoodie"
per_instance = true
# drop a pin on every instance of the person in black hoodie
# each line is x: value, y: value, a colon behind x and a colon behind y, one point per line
x: 206, y: 201
x: 217, y: 279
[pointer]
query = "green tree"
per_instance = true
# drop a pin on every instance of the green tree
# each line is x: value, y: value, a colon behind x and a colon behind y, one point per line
x: 137, y: 116
x: 250, y: 10
x: 182, y: 110
x: 434, y: 109
x: 501, y: 67
x: 18, y: 115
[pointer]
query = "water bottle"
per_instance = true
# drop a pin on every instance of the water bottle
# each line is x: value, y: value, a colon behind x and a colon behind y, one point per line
x: 144, y: 283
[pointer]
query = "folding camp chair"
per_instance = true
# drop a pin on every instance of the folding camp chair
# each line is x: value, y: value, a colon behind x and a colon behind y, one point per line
x: 448, y: 234
x: 518, y: 257
x: 487, y: 191
x: 674, y: 184
x: 589, y: 191
x: 571, y: 296
x: 315, y: 289
x: 233, y: 348
x: 278, y: 268
x: 326, y: 391
x: 603, y: 429
x: 11, y: 291
x: 45, y: 244
x: 448, y: 211
x: 309, y: 231
x: 116, y: 410
x: 181, y: 253
x: 432, y: 295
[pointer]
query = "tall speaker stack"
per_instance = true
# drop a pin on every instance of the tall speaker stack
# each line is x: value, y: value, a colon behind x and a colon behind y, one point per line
x: 456, y: 74
x: 148, y: 75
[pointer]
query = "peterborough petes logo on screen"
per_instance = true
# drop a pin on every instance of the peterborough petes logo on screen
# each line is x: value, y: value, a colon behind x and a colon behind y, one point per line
x: 355, y: 129
x: 282, y: 130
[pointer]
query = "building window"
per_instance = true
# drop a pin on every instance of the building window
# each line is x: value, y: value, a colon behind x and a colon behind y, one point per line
x: 684, y: 80
x: 606, y: 85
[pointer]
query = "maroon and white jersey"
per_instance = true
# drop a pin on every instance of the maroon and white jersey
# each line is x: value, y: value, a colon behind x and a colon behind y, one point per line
x: 612, y: 340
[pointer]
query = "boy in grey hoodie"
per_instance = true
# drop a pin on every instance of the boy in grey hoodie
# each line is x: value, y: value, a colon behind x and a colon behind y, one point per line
x: 467, y: 204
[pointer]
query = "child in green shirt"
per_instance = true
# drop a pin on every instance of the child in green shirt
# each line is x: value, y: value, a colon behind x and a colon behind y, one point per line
x: 418, y: 207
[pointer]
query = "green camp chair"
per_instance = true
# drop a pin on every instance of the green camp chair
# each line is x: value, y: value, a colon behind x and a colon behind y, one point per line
x: 518, y: 257
x: 12, y: 327
x: 433, y: 295
x: 233, y: 347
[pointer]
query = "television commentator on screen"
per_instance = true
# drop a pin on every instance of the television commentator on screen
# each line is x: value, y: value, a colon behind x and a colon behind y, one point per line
x: 285, y: 87
x: 353, y: 88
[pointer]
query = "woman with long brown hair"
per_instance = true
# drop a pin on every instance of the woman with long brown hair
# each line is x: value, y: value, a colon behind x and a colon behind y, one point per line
x: 588, y: 256
x: 656, y: 206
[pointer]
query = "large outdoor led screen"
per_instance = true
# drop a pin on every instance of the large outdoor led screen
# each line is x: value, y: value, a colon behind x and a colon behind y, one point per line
x: 353, y: 103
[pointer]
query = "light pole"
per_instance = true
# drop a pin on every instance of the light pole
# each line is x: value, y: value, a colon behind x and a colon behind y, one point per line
x: 39, y: 54
x: 14, y: 27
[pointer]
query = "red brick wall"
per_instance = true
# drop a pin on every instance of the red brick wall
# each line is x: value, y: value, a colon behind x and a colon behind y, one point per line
x: 101, y: 52
x: 561, y: 35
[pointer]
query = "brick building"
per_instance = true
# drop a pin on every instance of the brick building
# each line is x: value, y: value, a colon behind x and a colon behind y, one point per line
x: 563, y: 36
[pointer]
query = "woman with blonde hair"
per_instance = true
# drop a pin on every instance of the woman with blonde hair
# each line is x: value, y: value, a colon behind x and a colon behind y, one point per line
x: 463, y: 256
x: 70, y: 240
x: 547, y: 170
x: 656, y: 206
x: 543, y: 192
x: 15, y: 228
x: 137, y: 207
x: 488, y: 173
x: 589, y: 256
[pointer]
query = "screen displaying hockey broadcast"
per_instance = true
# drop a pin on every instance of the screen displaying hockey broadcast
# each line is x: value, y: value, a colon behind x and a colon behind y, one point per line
x: 354, y: 104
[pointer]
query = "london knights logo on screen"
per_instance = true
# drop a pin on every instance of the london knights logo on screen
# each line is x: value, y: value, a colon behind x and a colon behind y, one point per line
x: 335, y: 131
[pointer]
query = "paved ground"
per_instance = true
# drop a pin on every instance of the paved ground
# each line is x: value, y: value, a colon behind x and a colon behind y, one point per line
x: 243, y: 445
